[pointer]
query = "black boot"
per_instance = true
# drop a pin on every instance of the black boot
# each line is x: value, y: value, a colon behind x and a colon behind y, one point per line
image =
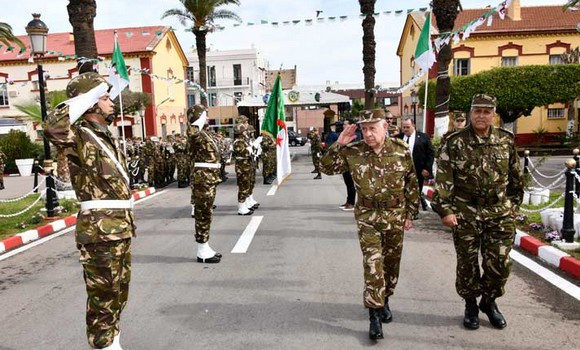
x: 318, y: 177
x: 385, y: 313
x: 2, y: 185
x: 376, y: 327
x: 471, y: 319
x: 423, y: 203
x: 314, y: 171
x: 489, y: 307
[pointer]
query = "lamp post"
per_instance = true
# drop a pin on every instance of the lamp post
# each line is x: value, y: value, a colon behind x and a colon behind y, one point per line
x: 414, y: 103
x: 142, y: 115
x: 37, y: 31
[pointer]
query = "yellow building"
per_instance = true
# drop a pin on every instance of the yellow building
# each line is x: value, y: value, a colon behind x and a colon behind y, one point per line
x: 526, y: 36
x: 154, y: 48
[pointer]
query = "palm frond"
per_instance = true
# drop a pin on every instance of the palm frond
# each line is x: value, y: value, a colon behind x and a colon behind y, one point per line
x: 226, y: 14
x: 31, y: 111
x: 183, y: 16
x: 7, y: 37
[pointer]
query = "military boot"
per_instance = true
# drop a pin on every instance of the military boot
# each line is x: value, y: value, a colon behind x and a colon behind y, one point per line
x: 471, y: 319
x: 318, y: 177
x: 207, y: 255
x: 376, y: 327
x: 489, y: 307
x: 385, y: 313
x: 243, y: 209
x: 2, y: 185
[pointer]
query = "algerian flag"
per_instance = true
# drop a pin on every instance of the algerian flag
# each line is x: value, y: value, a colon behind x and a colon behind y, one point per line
x: 118, y: 76
x: 274, y: 124
x: 424, y: 55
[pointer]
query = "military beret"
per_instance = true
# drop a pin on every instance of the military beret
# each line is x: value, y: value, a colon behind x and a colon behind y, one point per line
x: 376, y: 115
x: 483, y: 100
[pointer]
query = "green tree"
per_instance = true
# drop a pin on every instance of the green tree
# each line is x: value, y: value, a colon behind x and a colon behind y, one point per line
x: 518, y: 89
x: 367, y: 8
x: 17, y: 145
x: 7, y: 37
x: 201, y: 16
x: 132, y: 102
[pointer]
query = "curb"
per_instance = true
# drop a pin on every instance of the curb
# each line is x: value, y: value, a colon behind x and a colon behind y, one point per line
x: 534, y: 246
x: 20, y: 239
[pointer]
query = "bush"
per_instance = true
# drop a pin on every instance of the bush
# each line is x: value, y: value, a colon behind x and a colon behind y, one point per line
x: 17, y: 145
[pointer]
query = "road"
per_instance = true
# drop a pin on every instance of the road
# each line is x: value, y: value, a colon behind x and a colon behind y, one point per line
x: 298, y: 286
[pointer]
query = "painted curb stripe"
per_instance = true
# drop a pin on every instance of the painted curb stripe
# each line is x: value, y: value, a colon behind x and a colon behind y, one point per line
x: 551, y: 255
x: 531, y: 244
x: 570, y: 265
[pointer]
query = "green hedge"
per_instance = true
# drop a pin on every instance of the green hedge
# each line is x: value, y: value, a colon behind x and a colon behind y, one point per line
x: 518, y: 89
x: 17, y: 145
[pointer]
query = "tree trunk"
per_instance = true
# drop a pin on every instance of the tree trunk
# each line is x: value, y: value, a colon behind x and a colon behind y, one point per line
x: 445, y: 12
x: 367, y: 8
x: 81, y: 14
x: 200, y: 36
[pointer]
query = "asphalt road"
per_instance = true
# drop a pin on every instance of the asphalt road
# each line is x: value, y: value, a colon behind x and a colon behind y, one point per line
x: 298, y: 286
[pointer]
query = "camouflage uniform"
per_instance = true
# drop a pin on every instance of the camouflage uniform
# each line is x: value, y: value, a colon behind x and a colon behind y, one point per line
x: 479, y: 180
x: 388, y: 193
x: 181, y: 162
x: 316, y: 150
x: 2, y: 165
x: 149, y: 160
x: 205, y: 177
x: 160, y: 165
x: 103, y: 235
x: 268, y: 157
x: 253, y: 158
x: 244, y: 165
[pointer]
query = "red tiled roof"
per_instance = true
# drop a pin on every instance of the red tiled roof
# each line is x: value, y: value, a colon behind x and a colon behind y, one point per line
x: 131, y: 40
x: 533, y: 19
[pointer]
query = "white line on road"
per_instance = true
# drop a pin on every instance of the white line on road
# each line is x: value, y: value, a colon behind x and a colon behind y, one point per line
x: 272, y: 190
x: 58, y: 234
x: 546, y: 274
x: 247, y: 236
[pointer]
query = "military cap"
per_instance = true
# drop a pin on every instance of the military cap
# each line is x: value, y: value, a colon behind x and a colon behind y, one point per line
x: 373, y: 116
x: 84, y: 83
x: 458, y: 115
x: 314, y: 129
x: 483, y: 100
x: 239, y: 128
x: 193, y: 113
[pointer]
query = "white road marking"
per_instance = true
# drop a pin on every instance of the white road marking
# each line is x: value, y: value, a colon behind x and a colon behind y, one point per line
x: 58, y: 234
x: 546, y: 274
x: 272, y: 190
x: 247, y: 236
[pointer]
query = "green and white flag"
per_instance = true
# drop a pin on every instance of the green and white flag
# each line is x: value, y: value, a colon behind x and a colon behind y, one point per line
x: 424, y: 55
x: 118, y: 75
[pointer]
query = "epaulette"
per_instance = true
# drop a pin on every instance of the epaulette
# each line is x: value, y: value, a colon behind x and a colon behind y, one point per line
x: 509, y: 132
x: 400, y: 142
x: 353, y: 144
x: 453, y: 134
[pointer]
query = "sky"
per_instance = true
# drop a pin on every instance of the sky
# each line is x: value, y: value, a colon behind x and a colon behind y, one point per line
x: 322, y: 52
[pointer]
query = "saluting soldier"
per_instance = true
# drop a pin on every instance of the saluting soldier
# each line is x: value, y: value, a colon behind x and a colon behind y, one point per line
x: 205, y: 177
x: 316, y: 150
x: 2, y: 165
x: 387, y: 200
x: 479, y: 188
x: 105, y: 222
x: 243, y: 155
x: 268, y: 159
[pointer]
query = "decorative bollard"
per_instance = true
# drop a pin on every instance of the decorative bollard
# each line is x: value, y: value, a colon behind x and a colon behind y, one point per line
x: 35, y: 169
x: 526, y: 161
x: 576, y: 153
x: 568, y: 224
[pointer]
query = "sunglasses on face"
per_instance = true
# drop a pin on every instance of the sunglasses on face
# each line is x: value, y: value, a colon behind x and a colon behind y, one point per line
x: 389, y: 118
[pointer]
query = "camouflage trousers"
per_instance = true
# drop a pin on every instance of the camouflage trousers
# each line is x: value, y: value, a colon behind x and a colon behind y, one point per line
x: 182, y: 170
x: 268, y: 164
x: 494, y: 238
x: 253, y: 176
x: 1, y: 174
x: 203, y: 198
x: 244, y: 179
x: 316, y: 160
x: 150, y: 174
x: 107, y: 273
x: 381, y: 245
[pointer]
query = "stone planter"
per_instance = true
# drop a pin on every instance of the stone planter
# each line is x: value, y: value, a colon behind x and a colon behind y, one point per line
x: 25, y: 166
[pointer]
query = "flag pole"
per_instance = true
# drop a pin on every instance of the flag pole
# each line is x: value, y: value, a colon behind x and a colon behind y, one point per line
x: 122, y: 114
x: 425, y: 103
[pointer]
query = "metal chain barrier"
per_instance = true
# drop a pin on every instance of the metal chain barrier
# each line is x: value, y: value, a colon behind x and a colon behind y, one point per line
x: 62, y: 183
x: 12, y: 200
x: 534, y: 169
x: 557, y: 183
x: 40, y: 196
x: 534, y: 211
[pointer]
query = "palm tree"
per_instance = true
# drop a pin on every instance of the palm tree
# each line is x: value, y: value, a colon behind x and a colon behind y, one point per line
x: 201, y: 14
x: 445, y: 12
x: 7, y: 37
x: 367, y: 8
x: 33, y: 113
x: 81, y: 14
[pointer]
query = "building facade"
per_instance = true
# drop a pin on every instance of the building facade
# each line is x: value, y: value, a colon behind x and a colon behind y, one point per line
x: 154, y: 48
x: 526, y: 36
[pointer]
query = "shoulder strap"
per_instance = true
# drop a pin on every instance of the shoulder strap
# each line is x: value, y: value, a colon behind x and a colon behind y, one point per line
x: 108, y: 152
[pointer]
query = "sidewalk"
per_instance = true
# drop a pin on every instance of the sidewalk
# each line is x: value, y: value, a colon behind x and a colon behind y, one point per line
x: 17, y: 186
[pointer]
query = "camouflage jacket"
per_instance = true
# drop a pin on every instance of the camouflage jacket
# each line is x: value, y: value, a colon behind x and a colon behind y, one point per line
x: 94, y: 176
x: 478, y: 175
x: 242, y: 152
x: 386, y: 177
x: 203, y: 149
x: 268, y: 144
x: 149, y: 153
x: 2, y: 159
x: 315, y: 143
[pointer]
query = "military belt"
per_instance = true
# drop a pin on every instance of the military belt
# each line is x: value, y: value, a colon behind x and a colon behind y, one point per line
x: 384, y: 204
x: 107, y: 204
x: 207, y: 165
x: 477, y: 200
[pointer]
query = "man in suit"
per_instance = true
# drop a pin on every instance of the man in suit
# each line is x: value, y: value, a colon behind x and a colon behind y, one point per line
x: 422, y: 150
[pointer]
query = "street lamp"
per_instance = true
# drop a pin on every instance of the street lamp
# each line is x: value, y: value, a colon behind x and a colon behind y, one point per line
x: 142, y: 115
x: 414, y: 103
x: 37, y: 31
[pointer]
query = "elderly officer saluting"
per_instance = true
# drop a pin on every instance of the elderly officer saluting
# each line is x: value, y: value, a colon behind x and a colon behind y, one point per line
x: 388, y: 198
x: 479, y: 187
x: 105, y: 222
